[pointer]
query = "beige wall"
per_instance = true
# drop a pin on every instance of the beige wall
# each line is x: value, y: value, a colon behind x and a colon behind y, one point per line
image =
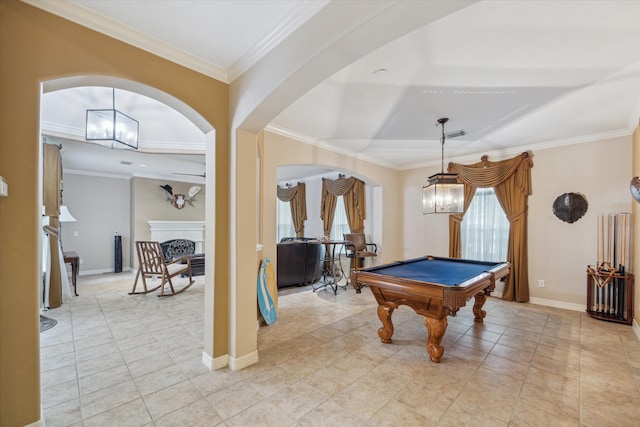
x: 149, y: 203
x: 558, y: 252
x: 101, y: 207
x: 635, y: 250
x: 280, y: 150
x: 421, y: 234
x: 35, y: 47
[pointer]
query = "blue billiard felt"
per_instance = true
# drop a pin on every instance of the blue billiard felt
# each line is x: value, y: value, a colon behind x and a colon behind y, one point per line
x: 442, y: 272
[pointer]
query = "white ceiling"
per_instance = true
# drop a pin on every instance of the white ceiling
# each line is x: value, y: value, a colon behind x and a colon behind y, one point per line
x: 514, y: 75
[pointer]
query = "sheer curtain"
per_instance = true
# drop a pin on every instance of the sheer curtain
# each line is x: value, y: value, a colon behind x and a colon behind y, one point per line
x: 285, y: 226
x: 340, y: 223
x: 485, y: 228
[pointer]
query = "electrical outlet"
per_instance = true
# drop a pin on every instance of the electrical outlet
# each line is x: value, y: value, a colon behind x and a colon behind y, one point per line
x: 541, y: 283
x: 75, y: 233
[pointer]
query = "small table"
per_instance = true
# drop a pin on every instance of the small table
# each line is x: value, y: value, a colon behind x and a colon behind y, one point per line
x: 73, y: 259
x: 433, y: 287
x: 331, y: 273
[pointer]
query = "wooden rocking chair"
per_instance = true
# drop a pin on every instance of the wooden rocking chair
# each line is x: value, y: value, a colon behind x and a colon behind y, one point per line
x: 152, y: 265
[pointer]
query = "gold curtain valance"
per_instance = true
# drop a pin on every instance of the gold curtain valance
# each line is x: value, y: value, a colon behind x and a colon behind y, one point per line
x: 339, y: 186
x: 489, y: 174
x: 285, y: 194
x: 342, y: 186
x: 352, y: 190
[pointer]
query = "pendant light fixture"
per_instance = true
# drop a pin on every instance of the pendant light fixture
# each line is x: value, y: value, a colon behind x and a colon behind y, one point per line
x: 443, y: 194
x: 111, y: 128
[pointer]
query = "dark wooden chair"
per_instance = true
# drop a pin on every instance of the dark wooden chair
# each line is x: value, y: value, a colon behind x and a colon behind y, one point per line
x: 152, y: 265
x: 357, y: 249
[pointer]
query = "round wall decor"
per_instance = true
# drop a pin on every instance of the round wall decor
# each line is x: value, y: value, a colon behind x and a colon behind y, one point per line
x: 634, y: 186
x: 570, y: 207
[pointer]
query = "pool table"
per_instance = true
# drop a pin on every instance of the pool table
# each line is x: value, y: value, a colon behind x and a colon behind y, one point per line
x: 433, y: 287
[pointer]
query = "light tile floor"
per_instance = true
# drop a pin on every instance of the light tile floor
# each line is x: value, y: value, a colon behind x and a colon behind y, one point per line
x: 120, y: 360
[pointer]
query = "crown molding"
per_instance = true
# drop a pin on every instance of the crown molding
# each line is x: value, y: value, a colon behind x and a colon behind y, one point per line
x: 298, y: 16
x: 144, y: 146
x: 127, y: 176
x: 131, y: 175
x: 504, y: 153
x: 102, y: 24
x: 514, y: 151
x: 318, y: 143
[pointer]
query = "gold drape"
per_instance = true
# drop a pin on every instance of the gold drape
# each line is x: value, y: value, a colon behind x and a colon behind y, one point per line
x: 511, y: 180
x: 297, y: 198
x: 327, y: 210
x: 52, y: 178
x: 455, y: 246
x: 352, y: 191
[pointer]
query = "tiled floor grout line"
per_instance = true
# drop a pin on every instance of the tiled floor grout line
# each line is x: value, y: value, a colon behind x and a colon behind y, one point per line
x: 554, y: 336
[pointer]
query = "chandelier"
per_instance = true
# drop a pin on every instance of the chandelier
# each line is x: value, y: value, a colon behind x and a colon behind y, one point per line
x: 443, y: 194
x: 111, y: 128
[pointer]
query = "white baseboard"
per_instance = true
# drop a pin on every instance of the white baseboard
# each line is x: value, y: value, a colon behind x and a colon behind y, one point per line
x: 636, y: 328
x: 557, y: 304
x: 100, y: 271
x: 40, y: 422
x: 217, y: 363
x: 243, y: 362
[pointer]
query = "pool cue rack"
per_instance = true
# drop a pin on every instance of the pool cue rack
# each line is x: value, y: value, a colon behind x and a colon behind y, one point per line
x: 609, y: 282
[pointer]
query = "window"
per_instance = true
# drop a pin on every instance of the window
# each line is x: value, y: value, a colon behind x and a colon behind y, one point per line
x: 340, y: 225
x: 485, y: 229
x: 285, y: 226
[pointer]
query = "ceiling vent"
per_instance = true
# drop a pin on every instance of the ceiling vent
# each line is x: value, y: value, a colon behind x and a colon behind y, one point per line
x: 124, y: 162
x: 456, y: 134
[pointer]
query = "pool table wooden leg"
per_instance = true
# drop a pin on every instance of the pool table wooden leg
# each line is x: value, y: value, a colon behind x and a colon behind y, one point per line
x: 436, y: 329
x: 384, y: 314
x: 478, y: 312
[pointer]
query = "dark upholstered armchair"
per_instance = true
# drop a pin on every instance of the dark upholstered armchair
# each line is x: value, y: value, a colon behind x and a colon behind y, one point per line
x: 299, y: 262
x: 178, y: 248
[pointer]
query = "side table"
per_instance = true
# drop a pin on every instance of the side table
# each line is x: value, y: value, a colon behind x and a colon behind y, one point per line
x: 73, y: 259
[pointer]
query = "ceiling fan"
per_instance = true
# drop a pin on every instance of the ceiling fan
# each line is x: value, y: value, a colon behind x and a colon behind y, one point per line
x: 201, y: 175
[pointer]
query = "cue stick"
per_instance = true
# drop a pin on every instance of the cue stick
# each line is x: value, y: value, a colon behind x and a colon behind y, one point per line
x: 623, y: 259
x: 614, y: 253
x: 612, y: 259
x: 601, y: 225
x: 619, y: 234
x: 602, y: 240
x: 600, y: 251
x: 597, y: 289
x: 610, y: 240
x: 597, y: 240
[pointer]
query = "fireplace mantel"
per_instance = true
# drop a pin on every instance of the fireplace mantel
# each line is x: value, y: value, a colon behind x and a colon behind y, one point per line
x: 161, y: 231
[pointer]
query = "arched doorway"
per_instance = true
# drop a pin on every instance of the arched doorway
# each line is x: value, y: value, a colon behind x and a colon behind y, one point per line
x: 207, y: 134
